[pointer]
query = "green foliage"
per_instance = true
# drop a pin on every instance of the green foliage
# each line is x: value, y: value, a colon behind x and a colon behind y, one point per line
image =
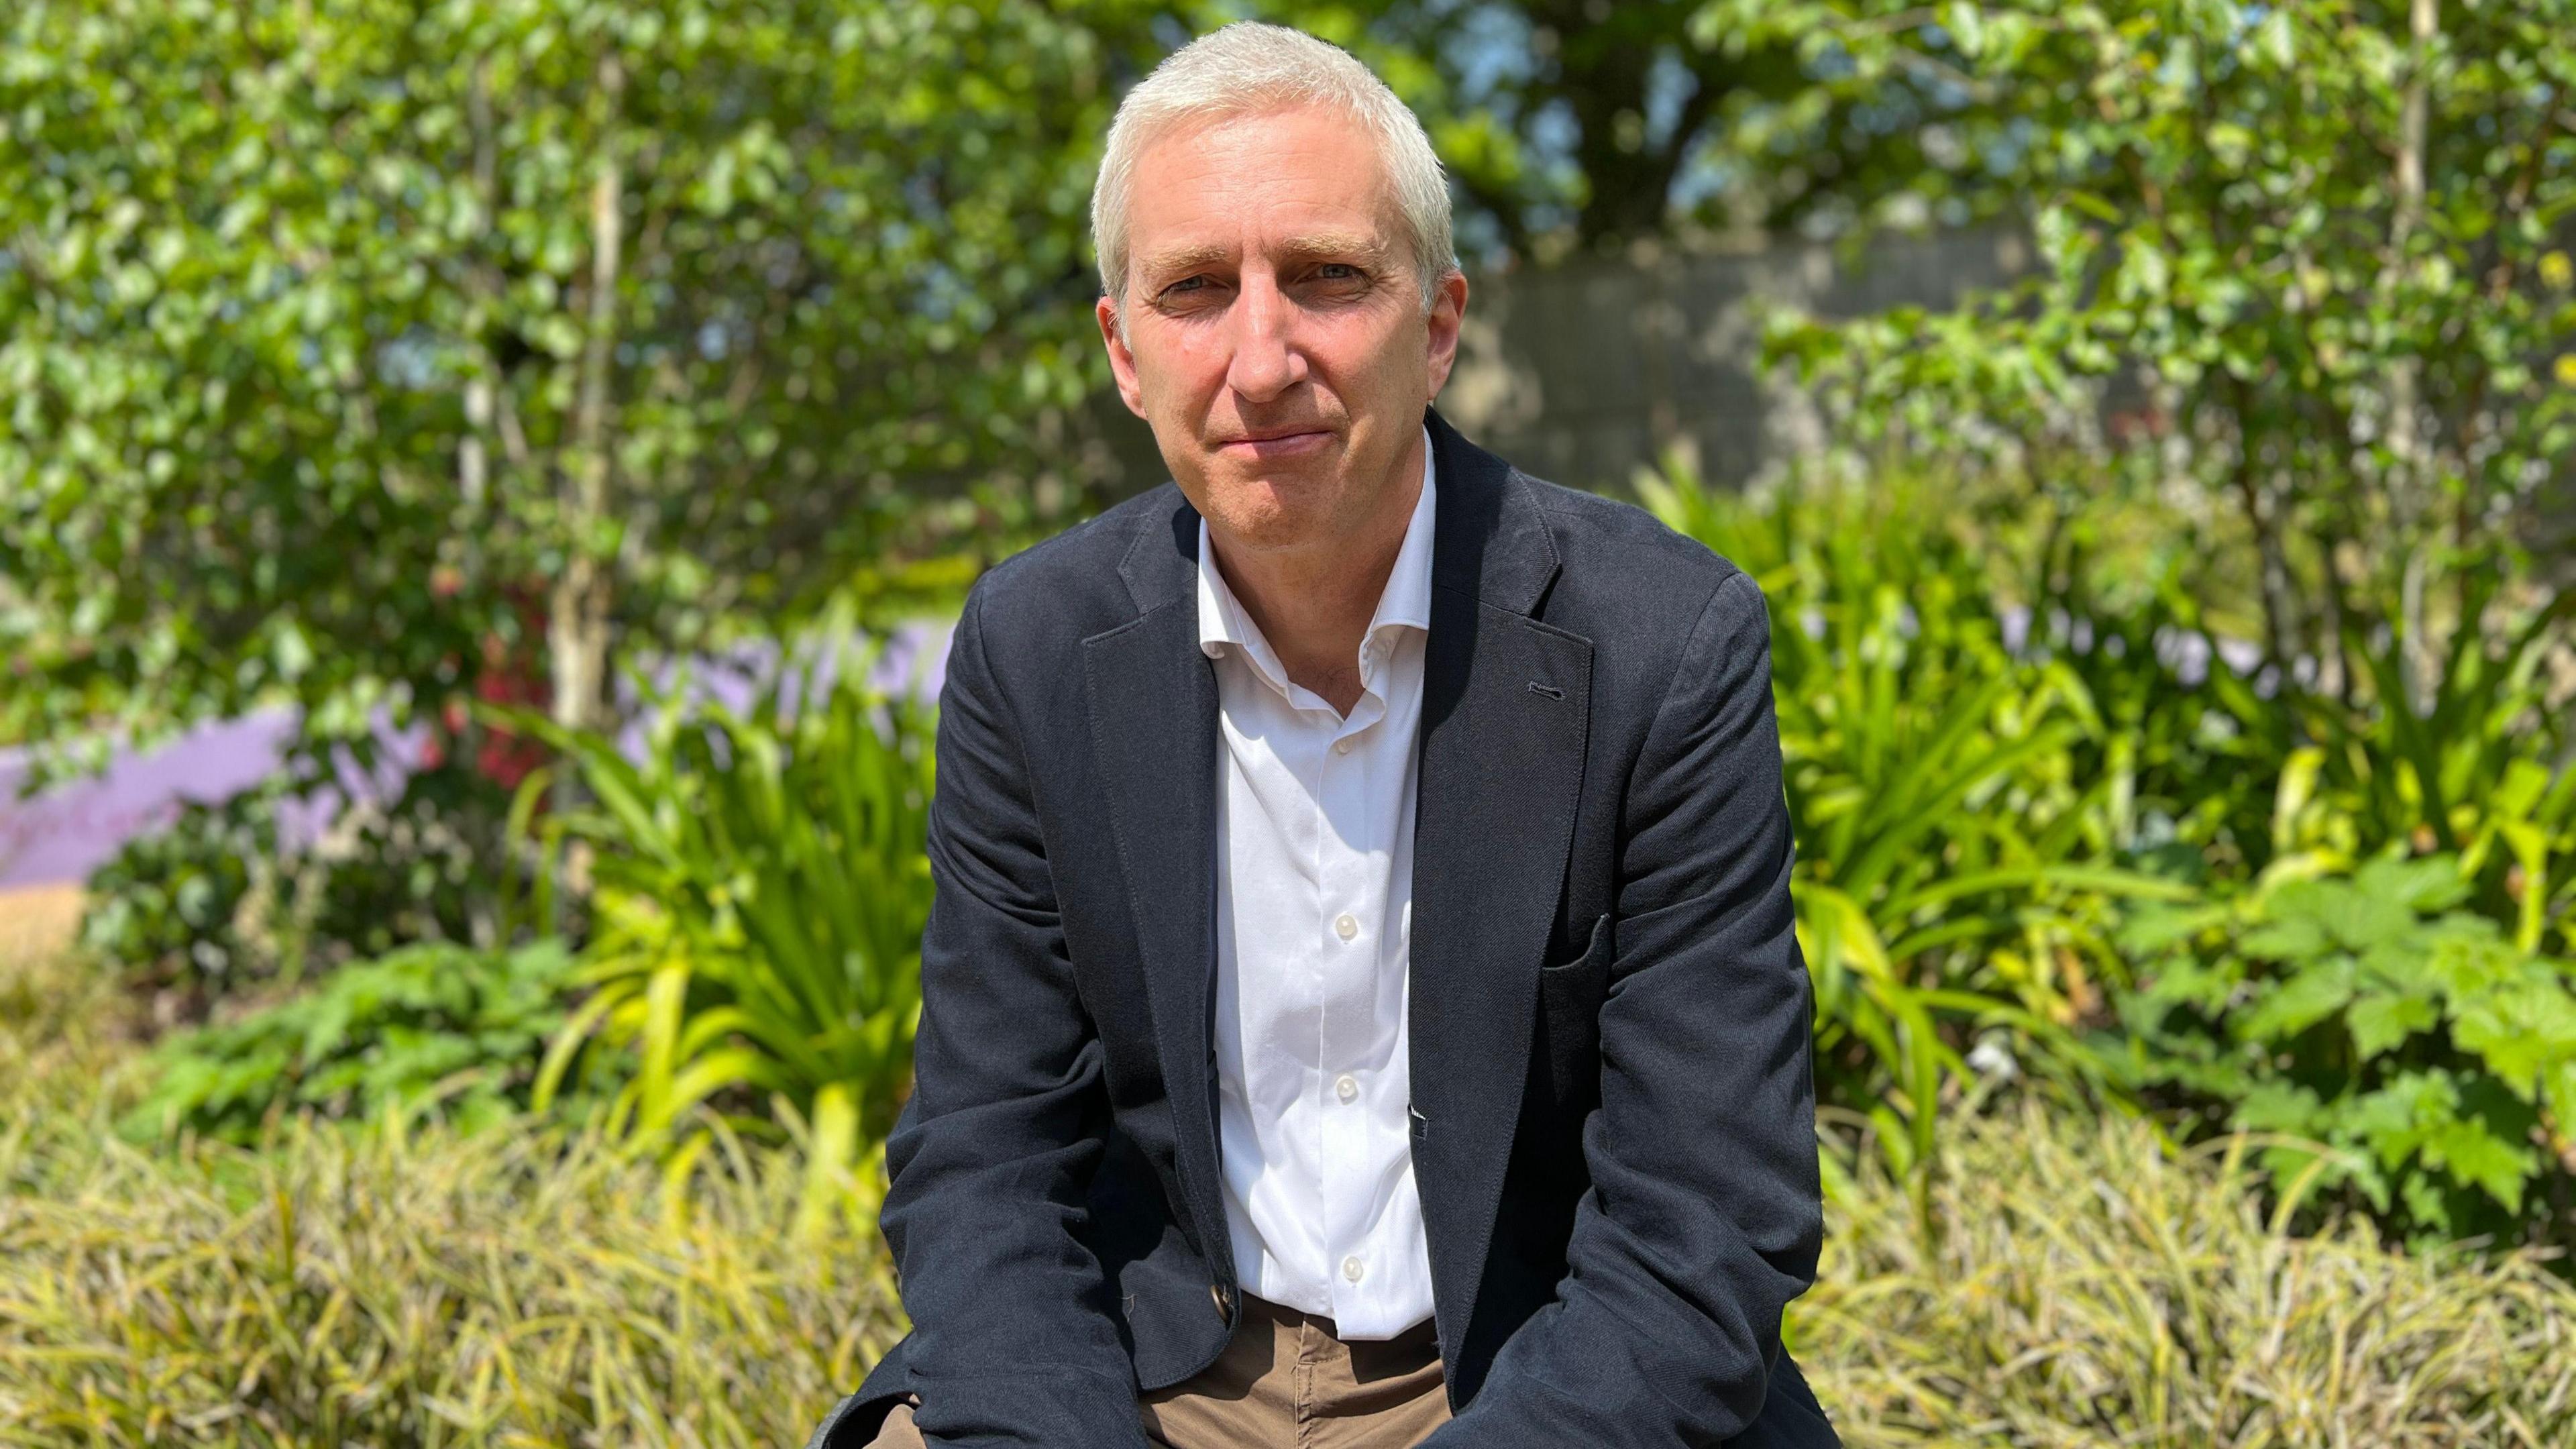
x: 214, y: 902
x: 422, y: 865
x: 428, y: 1027
x: 2484, y: 769
x: 407, y: 1283
x: 2235, y: 773
x: 419, y: 1286
x: 1976, y: 781
x: 760, y: 887
x: 167, y: 907
x: 2432, y: 1057
x: 1569, y: 127
x: 2106, y: 1288
x: 2304, y: 265
x: 1957, y: 804
x: 376, y: 357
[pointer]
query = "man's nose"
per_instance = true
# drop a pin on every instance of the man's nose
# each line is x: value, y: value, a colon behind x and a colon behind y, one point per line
x: 1266, y: 360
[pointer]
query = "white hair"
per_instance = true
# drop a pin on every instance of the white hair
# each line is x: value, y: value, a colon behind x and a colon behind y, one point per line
x: 1249, y: 68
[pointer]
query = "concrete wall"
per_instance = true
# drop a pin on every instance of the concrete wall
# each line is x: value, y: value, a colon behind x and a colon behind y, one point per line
x: 1586, y: 373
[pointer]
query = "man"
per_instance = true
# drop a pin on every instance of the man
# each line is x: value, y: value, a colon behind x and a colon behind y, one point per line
x: 1361, y: 1005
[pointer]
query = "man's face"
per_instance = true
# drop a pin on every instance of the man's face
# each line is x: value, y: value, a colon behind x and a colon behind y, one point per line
x: 1275, y: 333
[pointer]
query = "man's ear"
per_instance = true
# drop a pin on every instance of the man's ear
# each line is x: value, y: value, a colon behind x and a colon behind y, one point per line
x: 1122, y: 363
x: 1448, y: 310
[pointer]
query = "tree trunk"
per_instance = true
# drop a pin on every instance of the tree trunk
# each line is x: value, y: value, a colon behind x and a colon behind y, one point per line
x: 2410, y: 476
x: 577, y: 622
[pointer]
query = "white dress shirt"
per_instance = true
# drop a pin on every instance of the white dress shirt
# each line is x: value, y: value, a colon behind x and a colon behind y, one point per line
x: 1314, y: 921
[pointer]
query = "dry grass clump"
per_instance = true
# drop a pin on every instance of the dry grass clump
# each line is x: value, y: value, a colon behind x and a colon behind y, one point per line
x: 2094, y: 1289
x: 516, y: 1287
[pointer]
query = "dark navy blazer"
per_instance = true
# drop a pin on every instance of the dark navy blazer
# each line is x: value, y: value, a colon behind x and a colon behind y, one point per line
x: 1613, y: 1099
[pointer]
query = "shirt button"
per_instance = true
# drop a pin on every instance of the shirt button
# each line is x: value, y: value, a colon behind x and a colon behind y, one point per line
x: 1346, y: 925
x: 1347, y: 1087
x: 1342, y: 746
x: 1352, y: 1268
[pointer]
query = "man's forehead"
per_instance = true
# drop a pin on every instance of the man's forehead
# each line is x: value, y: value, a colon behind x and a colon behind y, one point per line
x: 1195, y: 185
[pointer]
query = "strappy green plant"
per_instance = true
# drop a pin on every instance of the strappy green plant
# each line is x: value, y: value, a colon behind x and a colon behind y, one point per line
x: 758, y: 890
x: 1952, y: 799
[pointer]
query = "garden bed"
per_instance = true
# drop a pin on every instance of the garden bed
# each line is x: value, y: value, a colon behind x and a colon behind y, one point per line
x: 395, y: 1285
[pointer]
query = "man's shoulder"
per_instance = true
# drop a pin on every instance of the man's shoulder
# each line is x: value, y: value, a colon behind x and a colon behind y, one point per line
x: 1616, y: 561
x: 1068, y: 587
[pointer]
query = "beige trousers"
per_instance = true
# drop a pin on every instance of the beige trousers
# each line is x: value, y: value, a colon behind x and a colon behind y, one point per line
x: 1285, y: 1382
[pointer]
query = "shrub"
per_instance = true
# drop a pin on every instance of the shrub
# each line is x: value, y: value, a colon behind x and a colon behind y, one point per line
x: 432, y: 1025
x: 760, y: 888
x: 430, y: 863
x: 2430, y: 1052
x: 2485, y: 768
x: 1956, y: 798
x: 2102, y: 1288
x: 215, y: 901
x: 167, y: 907
x: 526, y: 1284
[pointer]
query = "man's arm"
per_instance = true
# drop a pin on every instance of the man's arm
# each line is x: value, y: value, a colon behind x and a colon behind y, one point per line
x: 1705, y: 1213
x: 1013, y: 1340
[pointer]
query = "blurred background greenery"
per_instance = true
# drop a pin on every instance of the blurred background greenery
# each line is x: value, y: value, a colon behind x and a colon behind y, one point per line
x: 2171, y: 647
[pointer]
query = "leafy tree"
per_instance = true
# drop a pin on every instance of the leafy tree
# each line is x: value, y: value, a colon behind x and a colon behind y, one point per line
x: 2310, y: 259
x: 1574, y: 125
x: 350, y: 342
x: 372, y: 355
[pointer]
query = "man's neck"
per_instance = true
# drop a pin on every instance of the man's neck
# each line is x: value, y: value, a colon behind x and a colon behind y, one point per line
x: 1314, y: 604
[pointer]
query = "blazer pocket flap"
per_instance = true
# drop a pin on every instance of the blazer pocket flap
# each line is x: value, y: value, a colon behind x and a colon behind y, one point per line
x: 1595, y: 957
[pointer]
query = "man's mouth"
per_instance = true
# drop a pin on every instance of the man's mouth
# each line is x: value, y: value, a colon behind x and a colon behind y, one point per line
x: 1276, y: 443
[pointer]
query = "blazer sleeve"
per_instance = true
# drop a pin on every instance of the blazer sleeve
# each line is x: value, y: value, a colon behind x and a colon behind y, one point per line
x: 1014, y: 1342
x: 1705, y: 1214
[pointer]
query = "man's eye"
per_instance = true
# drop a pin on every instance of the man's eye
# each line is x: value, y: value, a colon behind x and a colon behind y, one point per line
x: 1186, y: 284
x: 1338, y: 272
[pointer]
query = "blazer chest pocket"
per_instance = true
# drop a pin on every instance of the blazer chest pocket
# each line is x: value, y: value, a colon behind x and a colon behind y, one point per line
x: 1570, y: 1019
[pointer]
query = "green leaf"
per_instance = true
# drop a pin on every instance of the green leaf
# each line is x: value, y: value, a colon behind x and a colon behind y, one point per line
x: 2279, y: 1107
x: 2475, y: 1157
x: 2523, y: 1032
x: 2314, y: 994
x: 2382, y: 1021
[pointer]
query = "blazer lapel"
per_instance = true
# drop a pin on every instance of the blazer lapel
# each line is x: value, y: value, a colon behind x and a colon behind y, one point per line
x: 1153, y: 706
x: 1505, y: 707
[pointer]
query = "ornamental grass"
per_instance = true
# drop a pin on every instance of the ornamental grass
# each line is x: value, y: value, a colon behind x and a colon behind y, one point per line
x: 403, y: 1285
x: 2090, y: 1286
x: 394, y: 1286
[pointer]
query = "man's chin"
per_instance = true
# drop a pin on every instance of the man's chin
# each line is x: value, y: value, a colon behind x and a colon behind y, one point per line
x: 1293, y: 482
x: 1271, y: 512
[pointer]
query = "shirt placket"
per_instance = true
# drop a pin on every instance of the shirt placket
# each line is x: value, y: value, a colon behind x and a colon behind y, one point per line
x: 1352, y: 937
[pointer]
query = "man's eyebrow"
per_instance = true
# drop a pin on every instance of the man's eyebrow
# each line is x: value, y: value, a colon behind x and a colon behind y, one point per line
x: 1335, y: 244
x: 1176, y: 260
x: 1182, y: 260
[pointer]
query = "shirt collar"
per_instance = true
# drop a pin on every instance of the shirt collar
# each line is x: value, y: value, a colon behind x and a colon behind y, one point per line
x: 1405, y: 601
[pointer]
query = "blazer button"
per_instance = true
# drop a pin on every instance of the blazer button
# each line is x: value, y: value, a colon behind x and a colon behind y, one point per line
x: 1223, y: 1297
